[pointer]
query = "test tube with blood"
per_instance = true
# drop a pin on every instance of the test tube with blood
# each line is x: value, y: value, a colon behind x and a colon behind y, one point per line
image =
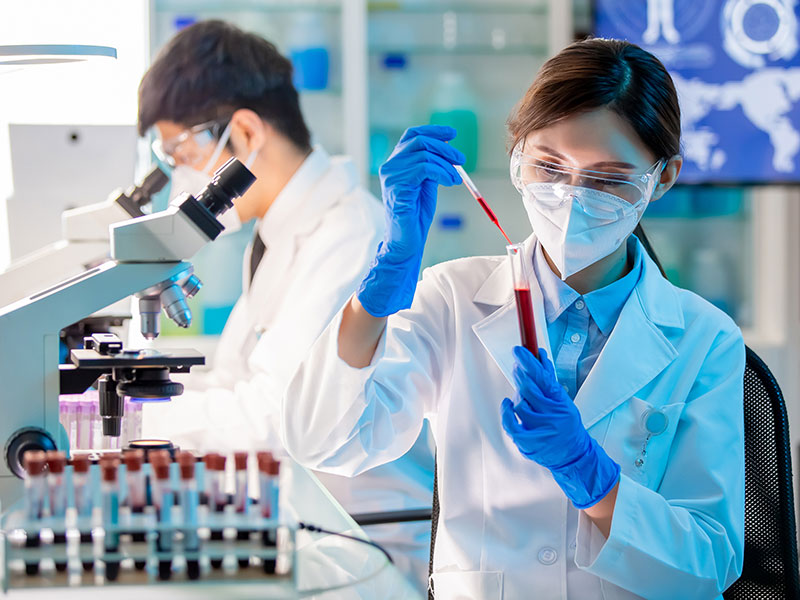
x: 268, y: 475
x: 189, y: 501
x: 164, y: 500
x: 57, y: 493
x: 240, y: 498
x: 215, y: 492
x: 136, y: 499
x: 83, y: 498
x: 109, y: 490
x: 35, y: 491
x: 522, y: 291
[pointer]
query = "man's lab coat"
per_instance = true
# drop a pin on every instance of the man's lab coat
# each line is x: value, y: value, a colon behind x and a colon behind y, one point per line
x: 504, y: 529
x: 320, y: 234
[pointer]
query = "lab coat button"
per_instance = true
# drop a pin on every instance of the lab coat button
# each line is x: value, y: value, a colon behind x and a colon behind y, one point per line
x: 576, y: 337
x: 548, y: 555
x: 580, y: 305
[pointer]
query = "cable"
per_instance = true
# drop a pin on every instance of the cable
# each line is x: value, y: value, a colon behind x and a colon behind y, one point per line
x: 315, y: 529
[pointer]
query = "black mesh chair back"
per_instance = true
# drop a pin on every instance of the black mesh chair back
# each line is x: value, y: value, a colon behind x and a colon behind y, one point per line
x: 770, y: 569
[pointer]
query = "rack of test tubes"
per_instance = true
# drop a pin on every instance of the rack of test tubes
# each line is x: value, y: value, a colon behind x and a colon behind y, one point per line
x: 137, y: 518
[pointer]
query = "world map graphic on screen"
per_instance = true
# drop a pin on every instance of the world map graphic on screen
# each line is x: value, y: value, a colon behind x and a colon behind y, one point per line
x: 736, y: 67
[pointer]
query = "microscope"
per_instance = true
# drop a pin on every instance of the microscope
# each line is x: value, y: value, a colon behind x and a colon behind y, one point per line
x: 84, y: 243
x: 148, y: 260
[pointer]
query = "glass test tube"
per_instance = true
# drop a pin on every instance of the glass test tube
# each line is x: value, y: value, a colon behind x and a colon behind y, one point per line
x: 35, y: 483
x: 163, y: 498
x: 57, y: 494
x: 134, y: 476
x: 189, y: 502
x: 109, y: 490
x: 214, y: 463
x: 520, y: 267
x: 57, y: 490
x: 240, y: 498
x: 268, y: 474
x: 35, y: 491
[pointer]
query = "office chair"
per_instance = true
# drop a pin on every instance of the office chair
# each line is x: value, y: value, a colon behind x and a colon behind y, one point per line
x: 770, y: 550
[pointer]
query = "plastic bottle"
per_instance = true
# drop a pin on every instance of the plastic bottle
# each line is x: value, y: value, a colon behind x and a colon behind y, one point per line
x: 454, y: 103
x: 391, y: 108
x: 308, y: 51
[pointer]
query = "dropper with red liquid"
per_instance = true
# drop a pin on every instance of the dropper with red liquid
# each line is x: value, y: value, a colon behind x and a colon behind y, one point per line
x: 522, y: 290
x: 473, y: 189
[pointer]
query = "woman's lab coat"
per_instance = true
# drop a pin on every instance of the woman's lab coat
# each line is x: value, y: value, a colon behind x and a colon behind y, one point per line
x: 678, y: 526
x: 321, y: 234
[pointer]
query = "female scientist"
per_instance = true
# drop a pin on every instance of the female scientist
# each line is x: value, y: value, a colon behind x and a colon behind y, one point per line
x: 617, y: 471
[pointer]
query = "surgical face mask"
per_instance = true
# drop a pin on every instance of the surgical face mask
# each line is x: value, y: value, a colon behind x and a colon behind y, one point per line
x: 188, y: 179
x: 577, y: 225
x: 580, y: 216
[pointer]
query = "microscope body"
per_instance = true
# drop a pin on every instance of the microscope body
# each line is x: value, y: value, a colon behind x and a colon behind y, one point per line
x: 84, y: 243
x: 147, y: 256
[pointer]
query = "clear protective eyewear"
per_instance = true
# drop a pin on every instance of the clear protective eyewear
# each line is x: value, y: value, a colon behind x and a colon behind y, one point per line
x: 529, y: 172
x: 191, y: 146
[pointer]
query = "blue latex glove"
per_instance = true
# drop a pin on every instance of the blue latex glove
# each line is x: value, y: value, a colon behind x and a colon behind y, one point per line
x: 546, y: 427
x: 421, y: 161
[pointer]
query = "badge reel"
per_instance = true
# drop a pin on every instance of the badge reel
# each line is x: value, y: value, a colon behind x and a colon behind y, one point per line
x: 654, y: 422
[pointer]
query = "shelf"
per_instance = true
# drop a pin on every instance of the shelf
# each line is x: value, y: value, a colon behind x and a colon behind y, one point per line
x: 464, y: 50
x: 227, y: 6
x: 431, y: 7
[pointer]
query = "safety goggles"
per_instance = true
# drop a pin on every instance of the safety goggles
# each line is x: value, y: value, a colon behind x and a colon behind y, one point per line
x: 191, y: 147
x: 530, y: 172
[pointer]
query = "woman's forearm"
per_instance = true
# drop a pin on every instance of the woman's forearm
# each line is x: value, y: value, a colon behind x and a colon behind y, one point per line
x: 359, y: 334
x: 602, y: 513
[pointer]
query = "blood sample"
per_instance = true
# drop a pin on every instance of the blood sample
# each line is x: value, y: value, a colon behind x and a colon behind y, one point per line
x: 268, y: 474
x: 35, y: 490
x: 215, y: 491
x: 164, y: 499
x: 136, y: 499
x: 473, y: 189
x: 189, y: 501
x: 240, y: 499
x: 35, y: 484
x: 522, y: 291
x: 83, y: 498
x: 57, y: 492
x: 110, y: 494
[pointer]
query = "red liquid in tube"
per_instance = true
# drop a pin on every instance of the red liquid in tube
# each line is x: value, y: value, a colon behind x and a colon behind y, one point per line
x: 527, y: 328
x: 492, y: 217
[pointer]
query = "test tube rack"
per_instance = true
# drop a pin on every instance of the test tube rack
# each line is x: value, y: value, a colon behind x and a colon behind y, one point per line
x: 71, y: 551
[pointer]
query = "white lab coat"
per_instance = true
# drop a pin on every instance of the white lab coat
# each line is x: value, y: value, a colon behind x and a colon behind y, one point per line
x: 504, y: 531
x: 321, y: 234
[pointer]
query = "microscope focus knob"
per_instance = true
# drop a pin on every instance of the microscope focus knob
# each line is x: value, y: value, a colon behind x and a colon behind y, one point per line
x: 22, y: 440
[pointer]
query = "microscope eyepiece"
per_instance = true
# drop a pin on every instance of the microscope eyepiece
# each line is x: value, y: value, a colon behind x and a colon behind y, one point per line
x: 230, y: 181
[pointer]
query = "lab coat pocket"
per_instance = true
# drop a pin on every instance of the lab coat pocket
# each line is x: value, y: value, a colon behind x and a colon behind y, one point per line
x: 640, y: 436
x: 468, y: 585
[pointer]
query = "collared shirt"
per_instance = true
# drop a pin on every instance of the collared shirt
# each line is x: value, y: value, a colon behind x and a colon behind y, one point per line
x: 579, y: 326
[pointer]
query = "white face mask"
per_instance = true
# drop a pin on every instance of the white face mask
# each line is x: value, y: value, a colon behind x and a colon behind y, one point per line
x: 577, y: 225
x: 188, y: 179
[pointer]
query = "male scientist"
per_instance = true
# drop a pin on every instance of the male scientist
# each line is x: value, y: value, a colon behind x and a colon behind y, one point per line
x: 215, y: 92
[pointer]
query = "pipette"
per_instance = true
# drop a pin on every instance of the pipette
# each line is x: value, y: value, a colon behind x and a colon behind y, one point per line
x: 473, y: 189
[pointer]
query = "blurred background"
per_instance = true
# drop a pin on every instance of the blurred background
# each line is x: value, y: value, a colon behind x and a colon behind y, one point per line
x: 366, y: 70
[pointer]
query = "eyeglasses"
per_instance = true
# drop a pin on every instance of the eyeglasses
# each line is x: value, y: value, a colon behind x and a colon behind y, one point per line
x: 527, y: 170
x: 191, y: 146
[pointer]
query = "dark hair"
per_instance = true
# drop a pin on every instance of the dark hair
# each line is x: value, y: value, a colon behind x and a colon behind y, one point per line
x: 596, y: 73
x: 211, y: 69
